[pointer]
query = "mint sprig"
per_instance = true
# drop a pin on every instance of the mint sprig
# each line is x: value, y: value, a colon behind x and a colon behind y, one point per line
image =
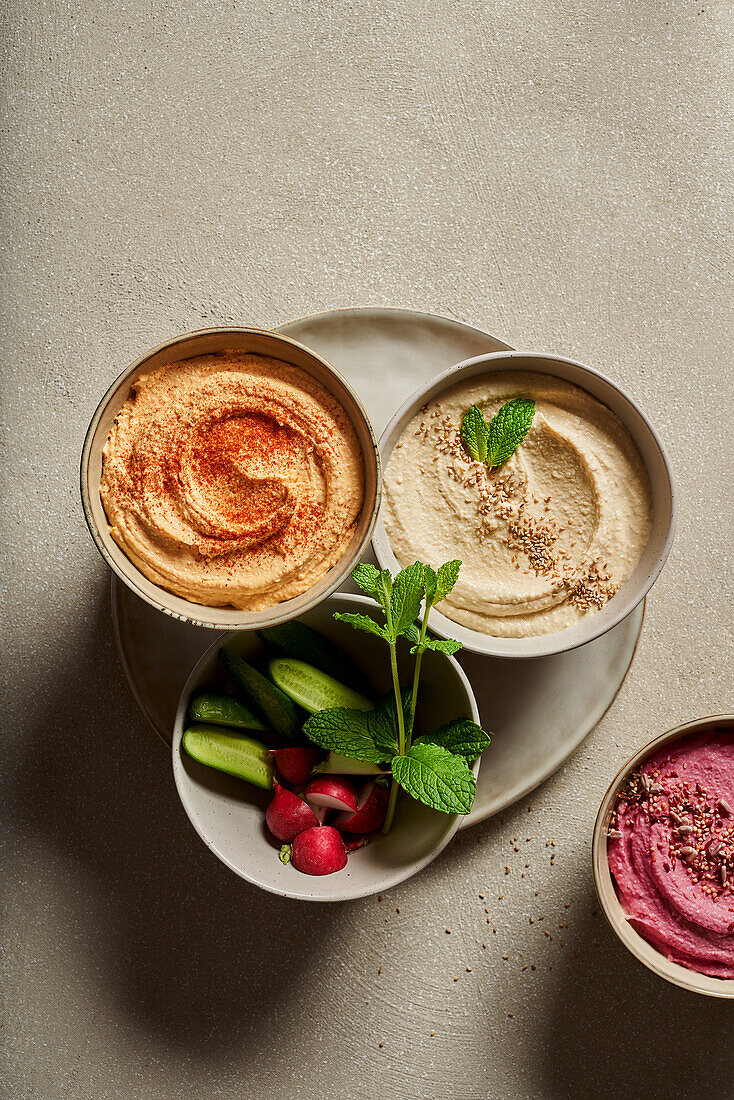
x: 497, y: 441
x: 433, y: 768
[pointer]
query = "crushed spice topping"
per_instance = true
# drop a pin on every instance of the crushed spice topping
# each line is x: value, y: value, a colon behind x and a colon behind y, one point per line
x: 701, y: 834
x: 501, y: 496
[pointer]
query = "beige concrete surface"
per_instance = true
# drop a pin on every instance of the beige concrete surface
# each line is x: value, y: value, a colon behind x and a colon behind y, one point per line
x: 557, y: 172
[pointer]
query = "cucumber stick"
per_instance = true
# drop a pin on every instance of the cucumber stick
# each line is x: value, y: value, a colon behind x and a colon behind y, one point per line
x: 312, y: 689
x: 336, y: 764
x: 229, y: 752
x: 222, y: 710
x: 267, y: 701
x: 305, y: 644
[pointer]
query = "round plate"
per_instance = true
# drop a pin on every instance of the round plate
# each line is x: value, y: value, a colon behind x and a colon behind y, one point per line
x: 386, y: 354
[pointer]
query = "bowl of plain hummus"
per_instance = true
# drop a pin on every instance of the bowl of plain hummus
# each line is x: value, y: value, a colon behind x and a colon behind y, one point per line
x: 557, y: 544
x: 663, y: 855
x: 231, y: 478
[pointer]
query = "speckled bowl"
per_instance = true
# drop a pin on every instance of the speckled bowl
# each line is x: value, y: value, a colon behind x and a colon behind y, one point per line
x: 206, y: 342
x: 604, y: 882
x: 229, y: 814
x: 650, y: 447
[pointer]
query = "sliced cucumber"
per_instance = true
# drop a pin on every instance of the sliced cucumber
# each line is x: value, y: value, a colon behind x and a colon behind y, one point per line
x: 312, y: 689
x: 229, y: 752
x: 300, y: 641
x: 267, y: 701
x: 336, y: 764
x: 223, y: 710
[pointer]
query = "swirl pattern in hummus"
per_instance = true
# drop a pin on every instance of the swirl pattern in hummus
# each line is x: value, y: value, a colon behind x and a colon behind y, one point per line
x: 232, y: 479
x: 545, y: 538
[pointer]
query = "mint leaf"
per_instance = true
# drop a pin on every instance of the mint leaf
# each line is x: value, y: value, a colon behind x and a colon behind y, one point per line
x: 438, y: 645
x: 366, y: 577
x: 508, y: 429
x: 347, y: 732
x: 383, y: 723
x: 413, y: 635
x: 361, y: 622
x: 407, y: 593
x: 440, y: 582
x: 446, y: 578
x: 475, y: 433
x: 375, y: 582
x: 436, y: 777
x: 462, y: 737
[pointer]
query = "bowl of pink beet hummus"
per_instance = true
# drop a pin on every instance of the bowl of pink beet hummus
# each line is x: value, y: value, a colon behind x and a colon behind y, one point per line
x: 663, y: 853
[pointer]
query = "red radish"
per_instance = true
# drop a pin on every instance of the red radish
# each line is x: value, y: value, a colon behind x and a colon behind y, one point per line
x: 319, y: 851
x: 288, y: 815
x: 351, y: 843
x: 321, y: 813
x: 370, y: 812
x: 296, y: 764
x: 332, y: 791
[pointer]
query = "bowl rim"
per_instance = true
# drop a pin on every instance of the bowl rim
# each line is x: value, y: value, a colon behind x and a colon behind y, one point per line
x: 281, y: 612
x: 643, y: 951
x: 356, y: 602
x: 540, y: 645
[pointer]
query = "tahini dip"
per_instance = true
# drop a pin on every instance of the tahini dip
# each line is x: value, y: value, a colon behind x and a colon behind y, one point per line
x: 232, y: 479
x: 544, y: 539
x: 671, y: 851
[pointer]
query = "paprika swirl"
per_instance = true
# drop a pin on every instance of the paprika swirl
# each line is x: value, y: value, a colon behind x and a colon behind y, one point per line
x: 232, y: 479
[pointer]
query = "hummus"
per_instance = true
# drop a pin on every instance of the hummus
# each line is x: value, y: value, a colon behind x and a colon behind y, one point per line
x: 545, y: 538
x: 671, y: 851
x: 232, y: 479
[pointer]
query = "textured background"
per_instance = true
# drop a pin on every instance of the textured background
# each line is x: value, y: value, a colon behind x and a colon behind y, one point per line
x: 555, y: 172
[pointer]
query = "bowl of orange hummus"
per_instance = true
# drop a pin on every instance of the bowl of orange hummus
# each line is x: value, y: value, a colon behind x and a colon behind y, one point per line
x: 663, y: 855
x: 231, y: 478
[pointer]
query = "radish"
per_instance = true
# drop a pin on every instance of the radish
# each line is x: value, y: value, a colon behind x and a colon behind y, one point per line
x: 288, y: 815
x: 332, y: 791
x: 370, y: 812
x: 351, y: 843
x: 296, y: 764
x: 319, y: 851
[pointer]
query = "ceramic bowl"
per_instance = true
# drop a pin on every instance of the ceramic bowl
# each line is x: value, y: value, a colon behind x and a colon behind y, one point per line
x: 604, y: 882
x: 204, y: 342
x: 648, y: 443
x: 229, y: 814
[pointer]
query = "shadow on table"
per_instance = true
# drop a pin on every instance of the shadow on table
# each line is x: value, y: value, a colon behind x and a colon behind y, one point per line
x: 190, y: 952
x: 618, y: 1031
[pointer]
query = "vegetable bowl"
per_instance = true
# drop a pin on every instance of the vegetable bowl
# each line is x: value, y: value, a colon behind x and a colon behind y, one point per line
x: 229, y: 813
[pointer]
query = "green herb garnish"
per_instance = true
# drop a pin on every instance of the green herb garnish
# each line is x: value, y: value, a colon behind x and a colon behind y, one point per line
x: 433, y: 768
x: 495, y: 442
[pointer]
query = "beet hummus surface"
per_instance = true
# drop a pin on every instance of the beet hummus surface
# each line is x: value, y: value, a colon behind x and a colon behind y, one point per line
x: 671, y: 851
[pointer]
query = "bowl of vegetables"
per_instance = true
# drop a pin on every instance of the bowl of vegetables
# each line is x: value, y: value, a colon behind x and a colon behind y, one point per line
x: 296, y: 765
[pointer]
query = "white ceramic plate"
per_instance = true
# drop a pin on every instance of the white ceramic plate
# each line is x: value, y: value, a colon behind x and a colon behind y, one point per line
x: 387, y: 354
